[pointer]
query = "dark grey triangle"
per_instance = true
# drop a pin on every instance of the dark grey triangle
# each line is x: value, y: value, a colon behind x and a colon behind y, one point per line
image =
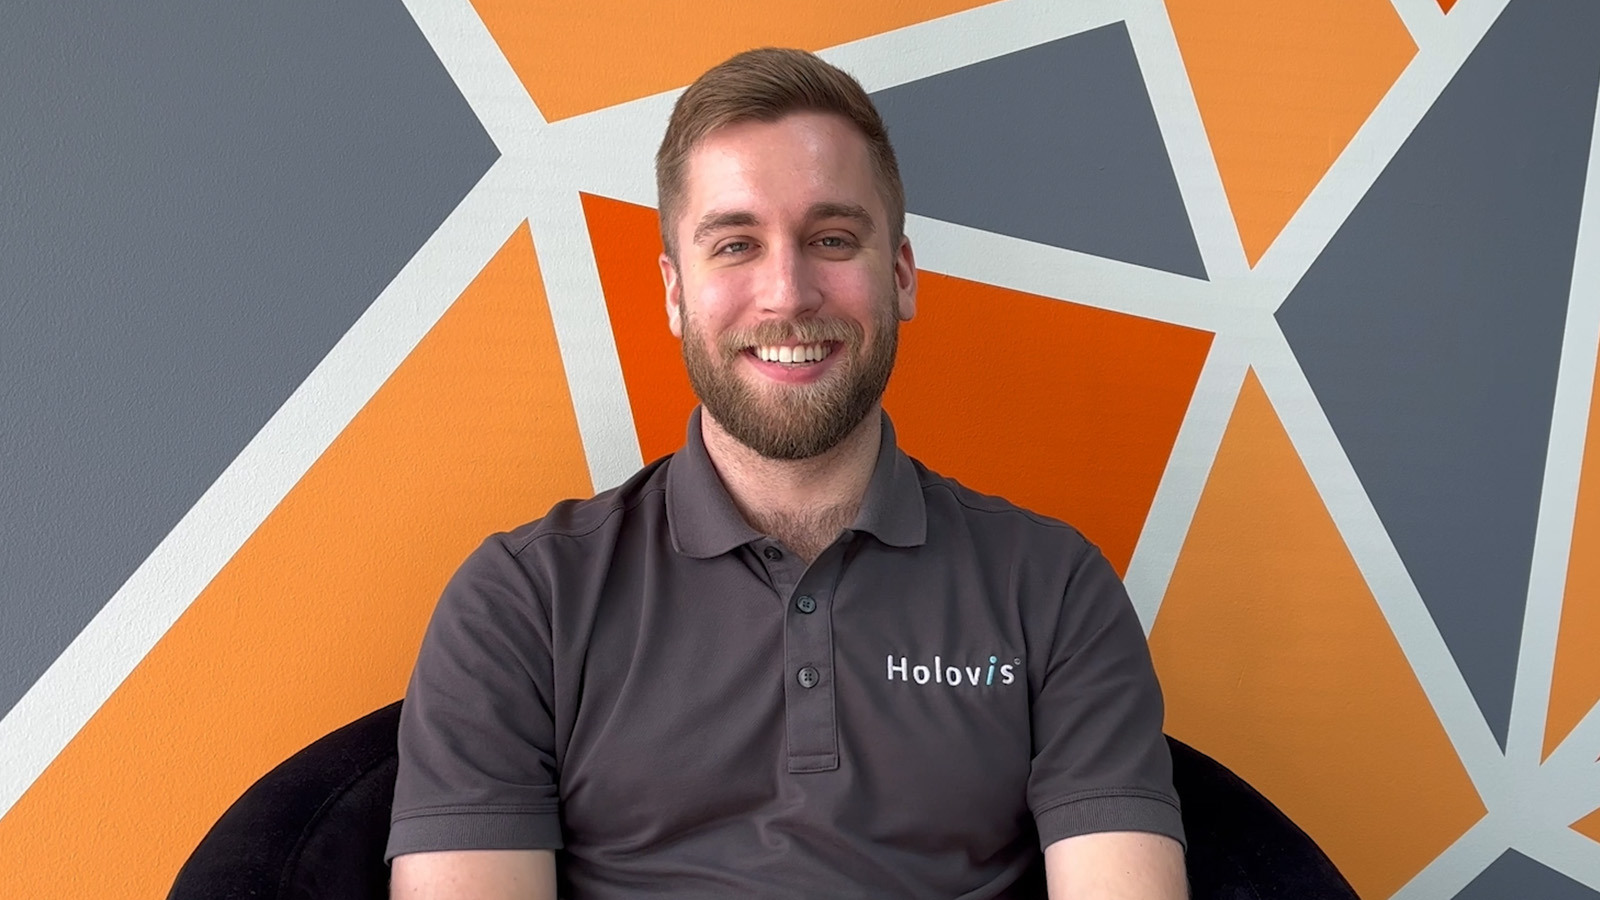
x: 1514, y: 877
x: 1056, y: 144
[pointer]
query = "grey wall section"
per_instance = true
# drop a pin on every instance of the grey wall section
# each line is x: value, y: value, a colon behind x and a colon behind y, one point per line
x: 197, y: 200
x: 1431, y: 326
x: 1056, y: 144
x: 1514, y: 875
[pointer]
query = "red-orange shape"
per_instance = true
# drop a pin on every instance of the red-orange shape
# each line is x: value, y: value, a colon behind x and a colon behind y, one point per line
x: 1446, y: 4
x: 574, y: 57
x: 1575, y: 680
x: 1282, y: 87
x: 1065, y: 409
x: 317, y: 618
x: 1275, y: 659
x: 626, y: 244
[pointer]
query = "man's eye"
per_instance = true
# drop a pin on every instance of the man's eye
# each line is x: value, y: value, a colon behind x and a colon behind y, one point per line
x: 833, y: 242
x: 733, y: 247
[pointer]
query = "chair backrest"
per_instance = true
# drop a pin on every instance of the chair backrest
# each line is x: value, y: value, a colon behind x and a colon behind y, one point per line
x: 314, y: 828
x: 1240, y: 845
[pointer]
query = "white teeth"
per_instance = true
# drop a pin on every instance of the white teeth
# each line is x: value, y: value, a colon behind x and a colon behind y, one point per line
x: 804, y: 353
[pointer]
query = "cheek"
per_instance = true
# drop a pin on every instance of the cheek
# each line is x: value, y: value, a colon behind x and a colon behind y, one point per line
x: 716, y: 302
x: 851, y: 290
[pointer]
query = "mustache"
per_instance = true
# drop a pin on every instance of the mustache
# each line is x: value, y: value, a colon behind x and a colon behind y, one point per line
x: 793, y: 331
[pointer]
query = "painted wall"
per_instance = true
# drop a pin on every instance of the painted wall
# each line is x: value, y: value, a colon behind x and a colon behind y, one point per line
x: 1293, y: 308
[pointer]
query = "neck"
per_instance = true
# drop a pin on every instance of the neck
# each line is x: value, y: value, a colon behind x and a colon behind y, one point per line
x: 803, y: 503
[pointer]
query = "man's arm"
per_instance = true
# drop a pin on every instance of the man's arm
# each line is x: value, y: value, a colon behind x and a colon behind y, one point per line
x: 474, y: 875
x: 1116, y: 865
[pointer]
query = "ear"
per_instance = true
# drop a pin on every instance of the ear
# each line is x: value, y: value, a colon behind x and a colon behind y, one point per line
x: 674, y: 292
x: 905, y: 281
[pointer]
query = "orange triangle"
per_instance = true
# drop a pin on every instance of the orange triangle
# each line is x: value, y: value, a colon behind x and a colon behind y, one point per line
x: 1276, y: 660
x: 1575, y: 680
x: 1589, y: 826
x: 317, y: 618
x: 1282, y: 87
x: 577, y: 57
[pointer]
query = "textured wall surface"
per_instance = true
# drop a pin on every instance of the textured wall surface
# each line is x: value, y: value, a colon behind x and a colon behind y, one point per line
x: 1293, y: 308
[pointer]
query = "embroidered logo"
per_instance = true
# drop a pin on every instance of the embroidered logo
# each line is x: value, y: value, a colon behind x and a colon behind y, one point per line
x: 901, y: 669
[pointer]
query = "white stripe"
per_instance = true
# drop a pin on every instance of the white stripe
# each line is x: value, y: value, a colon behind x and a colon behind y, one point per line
x: 1558, y: 503
x: 1193, y: 162
x: 1381, y: 566
x: 1423, y: 18
x: 583, y: 329
x: 1458, y: 865
x: 961, y: 39
x: 1070, y: 275
x: 212, y: 531
x: 1371, y: 149
x: 481, y: 72
x: 1187, y: 471
x: 1563, y: 850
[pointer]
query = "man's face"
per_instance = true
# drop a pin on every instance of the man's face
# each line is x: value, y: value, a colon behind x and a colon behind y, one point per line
x: 787, y: 291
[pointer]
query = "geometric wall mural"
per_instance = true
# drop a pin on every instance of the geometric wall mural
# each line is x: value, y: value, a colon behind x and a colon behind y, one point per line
x: 1292, y: 308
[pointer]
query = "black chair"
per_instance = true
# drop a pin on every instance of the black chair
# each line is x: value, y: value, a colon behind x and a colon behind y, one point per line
x: 314, y: 828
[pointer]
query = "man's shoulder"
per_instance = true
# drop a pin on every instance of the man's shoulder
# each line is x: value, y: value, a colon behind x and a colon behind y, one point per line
x: 592, y: 517
x: 946, y: 497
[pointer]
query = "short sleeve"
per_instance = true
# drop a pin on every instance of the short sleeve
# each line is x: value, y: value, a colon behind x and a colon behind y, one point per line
x: 1100, y: 761
x: 477, y: 761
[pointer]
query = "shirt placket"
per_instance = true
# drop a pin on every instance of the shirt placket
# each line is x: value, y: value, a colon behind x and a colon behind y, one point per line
x: 808, y: 698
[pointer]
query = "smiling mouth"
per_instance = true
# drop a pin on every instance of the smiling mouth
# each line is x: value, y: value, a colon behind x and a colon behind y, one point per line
x: 796, y: 355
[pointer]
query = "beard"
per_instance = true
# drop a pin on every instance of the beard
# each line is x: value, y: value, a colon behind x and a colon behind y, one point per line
x: 794, y: 421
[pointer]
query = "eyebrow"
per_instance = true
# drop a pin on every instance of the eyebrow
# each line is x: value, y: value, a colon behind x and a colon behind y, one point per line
x: 851, y: 211
x: 717, y: 220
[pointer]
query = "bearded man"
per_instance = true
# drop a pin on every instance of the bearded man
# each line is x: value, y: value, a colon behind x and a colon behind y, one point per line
x: 788, y: 660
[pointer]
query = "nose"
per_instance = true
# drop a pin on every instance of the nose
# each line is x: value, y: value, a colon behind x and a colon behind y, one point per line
x: 790, y: 289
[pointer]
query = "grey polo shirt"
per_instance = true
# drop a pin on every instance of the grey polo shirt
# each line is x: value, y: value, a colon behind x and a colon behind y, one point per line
x: 687, y: 709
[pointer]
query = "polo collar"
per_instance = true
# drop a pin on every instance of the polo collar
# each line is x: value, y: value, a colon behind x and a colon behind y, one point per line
x: 704, y: 522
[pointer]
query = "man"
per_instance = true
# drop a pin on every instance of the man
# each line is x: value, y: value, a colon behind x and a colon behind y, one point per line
x: 787, y: 661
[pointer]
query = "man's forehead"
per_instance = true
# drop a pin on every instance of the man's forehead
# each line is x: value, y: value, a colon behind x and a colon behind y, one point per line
x: 815, y: 163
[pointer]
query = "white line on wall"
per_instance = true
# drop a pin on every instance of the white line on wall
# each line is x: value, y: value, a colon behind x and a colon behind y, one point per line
x: 1558, y: 501
x: 1187, y: 471
x: 1193, y: 161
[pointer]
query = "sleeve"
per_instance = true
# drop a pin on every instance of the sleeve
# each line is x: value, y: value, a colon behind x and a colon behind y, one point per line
x: 1100, y: 761
x: 477, y: 766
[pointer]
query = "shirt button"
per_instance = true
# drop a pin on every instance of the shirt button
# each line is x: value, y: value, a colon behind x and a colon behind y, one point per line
x: 806, y: 604
x: 772, y: 553
x: 809, y: 676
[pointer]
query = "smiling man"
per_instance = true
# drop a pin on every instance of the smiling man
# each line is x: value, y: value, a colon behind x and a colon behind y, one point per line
x: 788, y: 660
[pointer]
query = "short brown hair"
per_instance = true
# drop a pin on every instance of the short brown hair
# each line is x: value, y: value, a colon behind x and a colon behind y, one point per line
x: 764, y: 86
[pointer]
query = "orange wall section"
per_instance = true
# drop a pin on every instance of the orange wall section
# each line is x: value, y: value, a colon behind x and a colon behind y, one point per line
x: 576, y: 57
x: 317, y: 619
x: 1282, y: 87
x: 1276, y: 660
x: 626, y: 243
x: 1575, y: 680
